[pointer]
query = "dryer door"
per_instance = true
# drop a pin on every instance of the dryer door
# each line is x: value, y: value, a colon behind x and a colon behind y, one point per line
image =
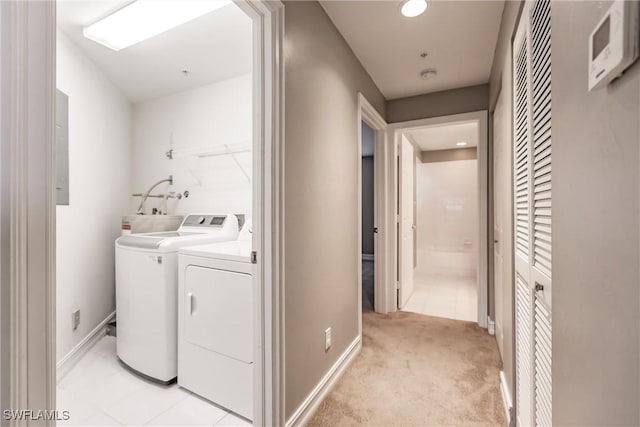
x: 218, y: 311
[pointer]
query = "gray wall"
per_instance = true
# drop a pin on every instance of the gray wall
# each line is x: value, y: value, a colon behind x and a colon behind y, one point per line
x: 500, y: 85
x: 322, y: 81
x: 454, y: 101
x: 596, y: 299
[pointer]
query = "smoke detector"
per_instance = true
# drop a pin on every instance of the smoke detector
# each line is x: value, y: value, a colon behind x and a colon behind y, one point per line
x: 428, y: 74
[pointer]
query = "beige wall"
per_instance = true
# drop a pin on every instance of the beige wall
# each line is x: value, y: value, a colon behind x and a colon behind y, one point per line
x: 452, y: 155
x: 444, y: 103
x: 596, y: 292
x: 322, y: 80
x: 500, y: 85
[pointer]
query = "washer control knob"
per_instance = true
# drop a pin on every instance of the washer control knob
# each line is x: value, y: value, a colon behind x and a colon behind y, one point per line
x: 201, y: 220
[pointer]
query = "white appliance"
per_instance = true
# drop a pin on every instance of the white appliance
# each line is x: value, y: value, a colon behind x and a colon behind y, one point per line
x: 216, y: 323
x: 147, y: 292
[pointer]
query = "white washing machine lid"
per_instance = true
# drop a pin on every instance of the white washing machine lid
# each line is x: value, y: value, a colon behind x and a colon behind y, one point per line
x: 237, y: 250
x: 195, y: 230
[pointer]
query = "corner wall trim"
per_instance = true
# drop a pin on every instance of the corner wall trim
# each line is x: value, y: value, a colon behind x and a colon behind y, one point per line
x: 69, y: 361
x: 305, y: 411
x: 506, y: 398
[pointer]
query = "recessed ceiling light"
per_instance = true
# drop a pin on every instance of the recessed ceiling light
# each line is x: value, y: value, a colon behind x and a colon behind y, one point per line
x: 413, y: 8
x: 144, y: 19
x: 461, y: 143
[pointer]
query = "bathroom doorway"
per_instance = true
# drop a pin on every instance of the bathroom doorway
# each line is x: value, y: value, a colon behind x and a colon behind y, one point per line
x: 441, y: 208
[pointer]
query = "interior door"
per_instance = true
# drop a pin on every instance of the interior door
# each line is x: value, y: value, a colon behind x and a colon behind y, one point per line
x: 407, y: 194
x: 500, y: 187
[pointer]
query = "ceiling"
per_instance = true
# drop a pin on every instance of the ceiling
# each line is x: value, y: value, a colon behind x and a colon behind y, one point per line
x: 444, y: 137
x: 458, y: 36
x: 214, y: 47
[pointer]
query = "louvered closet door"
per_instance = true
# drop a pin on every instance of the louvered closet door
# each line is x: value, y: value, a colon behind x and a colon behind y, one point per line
x: 532, y: 212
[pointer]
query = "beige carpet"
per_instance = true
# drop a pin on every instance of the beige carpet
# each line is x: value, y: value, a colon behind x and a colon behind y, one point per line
x: 417, y: 370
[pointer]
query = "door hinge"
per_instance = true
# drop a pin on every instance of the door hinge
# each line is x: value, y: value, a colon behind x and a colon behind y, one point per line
x: 254, y: 257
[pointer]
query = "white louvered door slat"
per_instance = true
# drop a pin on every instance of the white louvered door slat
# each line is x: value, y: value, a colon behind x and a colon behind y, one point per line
x: 541, y: 73
x: 522, y: 151
x: 542, y: 351
x: 532, y: 186
x: 523, y: 331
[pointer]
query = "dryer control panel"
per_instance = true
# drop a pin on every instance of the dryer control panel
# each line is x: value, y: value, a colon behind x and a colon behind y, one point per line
x: 216, y: 221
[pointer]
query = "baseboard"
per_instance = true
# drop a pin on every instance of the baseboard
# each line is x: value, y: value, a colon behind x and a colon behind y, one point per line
x: 506, y: 398
x: 67, y: 362
x: 306, y: 410
x: 368, y: 257
x: 491, y: 326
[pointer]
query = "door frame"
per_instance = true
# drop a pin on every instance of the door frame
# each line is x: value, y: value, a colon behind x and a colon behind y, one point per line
x: 28, y: 206
x: 368, y: 114
x: 394, y: 132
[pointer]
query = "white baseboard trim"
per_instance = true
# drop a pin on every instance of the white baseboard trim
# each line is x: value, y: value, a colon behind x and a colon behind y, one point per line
x: 506, y: 397
x: 309, y: 406
x: 67, y: 362
x: 368, y: 257
x: 491, y: 326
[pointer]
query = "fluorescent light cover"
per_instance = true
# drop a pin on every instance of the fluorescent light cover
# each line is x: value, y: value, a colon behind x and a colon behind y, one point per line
x: 413, y: 8
x: 144, y: 19
x: 461, y: 143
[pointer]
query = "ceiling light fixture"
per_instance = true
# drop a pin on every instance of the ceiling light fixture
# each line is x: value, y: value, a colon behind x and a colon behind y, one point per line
x: 461, y: 143
x: 144, y: 19
x: 428, y: 74
x: 413, y: 8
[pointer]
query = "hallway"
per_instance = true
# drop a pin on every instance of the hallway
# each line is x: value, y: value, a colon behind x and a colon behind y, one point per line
x: 417, y: 370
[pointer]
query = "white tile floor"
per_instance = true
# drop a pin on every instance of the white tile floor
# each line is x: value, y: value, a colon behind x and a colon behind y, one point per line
x: 98, y: 391
x: 453, y: 297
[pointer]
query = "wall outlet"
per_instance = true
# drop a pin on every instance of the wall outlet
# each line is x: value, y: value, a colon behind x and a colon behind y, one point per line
x: 75, y: 320
x: 327, y: 339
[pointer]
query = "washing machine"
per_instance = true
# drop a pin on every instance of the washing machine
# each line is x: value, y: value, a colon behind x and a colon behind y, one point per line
x: 216, y: 323
x: 147, y: 292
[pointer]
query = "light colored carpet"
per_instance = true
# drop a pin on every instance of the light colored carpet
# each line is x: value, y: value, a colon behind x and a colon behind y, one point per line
x: 417, y: 370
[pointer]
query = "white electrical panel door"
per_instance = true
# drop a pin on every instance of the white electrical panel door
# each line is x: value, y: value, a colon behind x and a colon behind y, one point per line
x: 532, y: 186
x: 218, y: 311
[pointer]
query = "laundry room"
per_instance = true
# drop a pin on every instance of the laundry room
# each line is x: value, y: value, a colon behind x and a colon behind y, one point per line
x: 154, y: 134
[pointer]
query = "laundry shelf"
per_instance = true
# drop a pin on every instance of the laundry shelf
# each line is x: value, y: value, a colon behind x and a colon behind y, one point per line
x: 196, y: 153
x: 212, y: 151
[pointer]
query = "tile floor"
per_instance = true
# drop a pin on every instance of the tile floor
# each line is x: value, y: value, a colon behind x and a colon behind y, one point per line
x: 453, y: 297
x: 98, y: 391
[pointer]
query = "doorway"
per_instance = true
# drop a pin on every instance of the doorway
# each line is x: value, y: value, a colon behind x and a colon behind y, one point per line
x: 163, y: 155
x: 441, y: 210
x: 368, y: 217
x: 371, y: 255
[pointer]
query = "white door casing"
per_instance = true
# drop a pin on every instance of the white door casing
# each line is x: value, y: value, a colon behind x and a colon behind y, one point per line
x: 406, y: 220
x: 501, y: 187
